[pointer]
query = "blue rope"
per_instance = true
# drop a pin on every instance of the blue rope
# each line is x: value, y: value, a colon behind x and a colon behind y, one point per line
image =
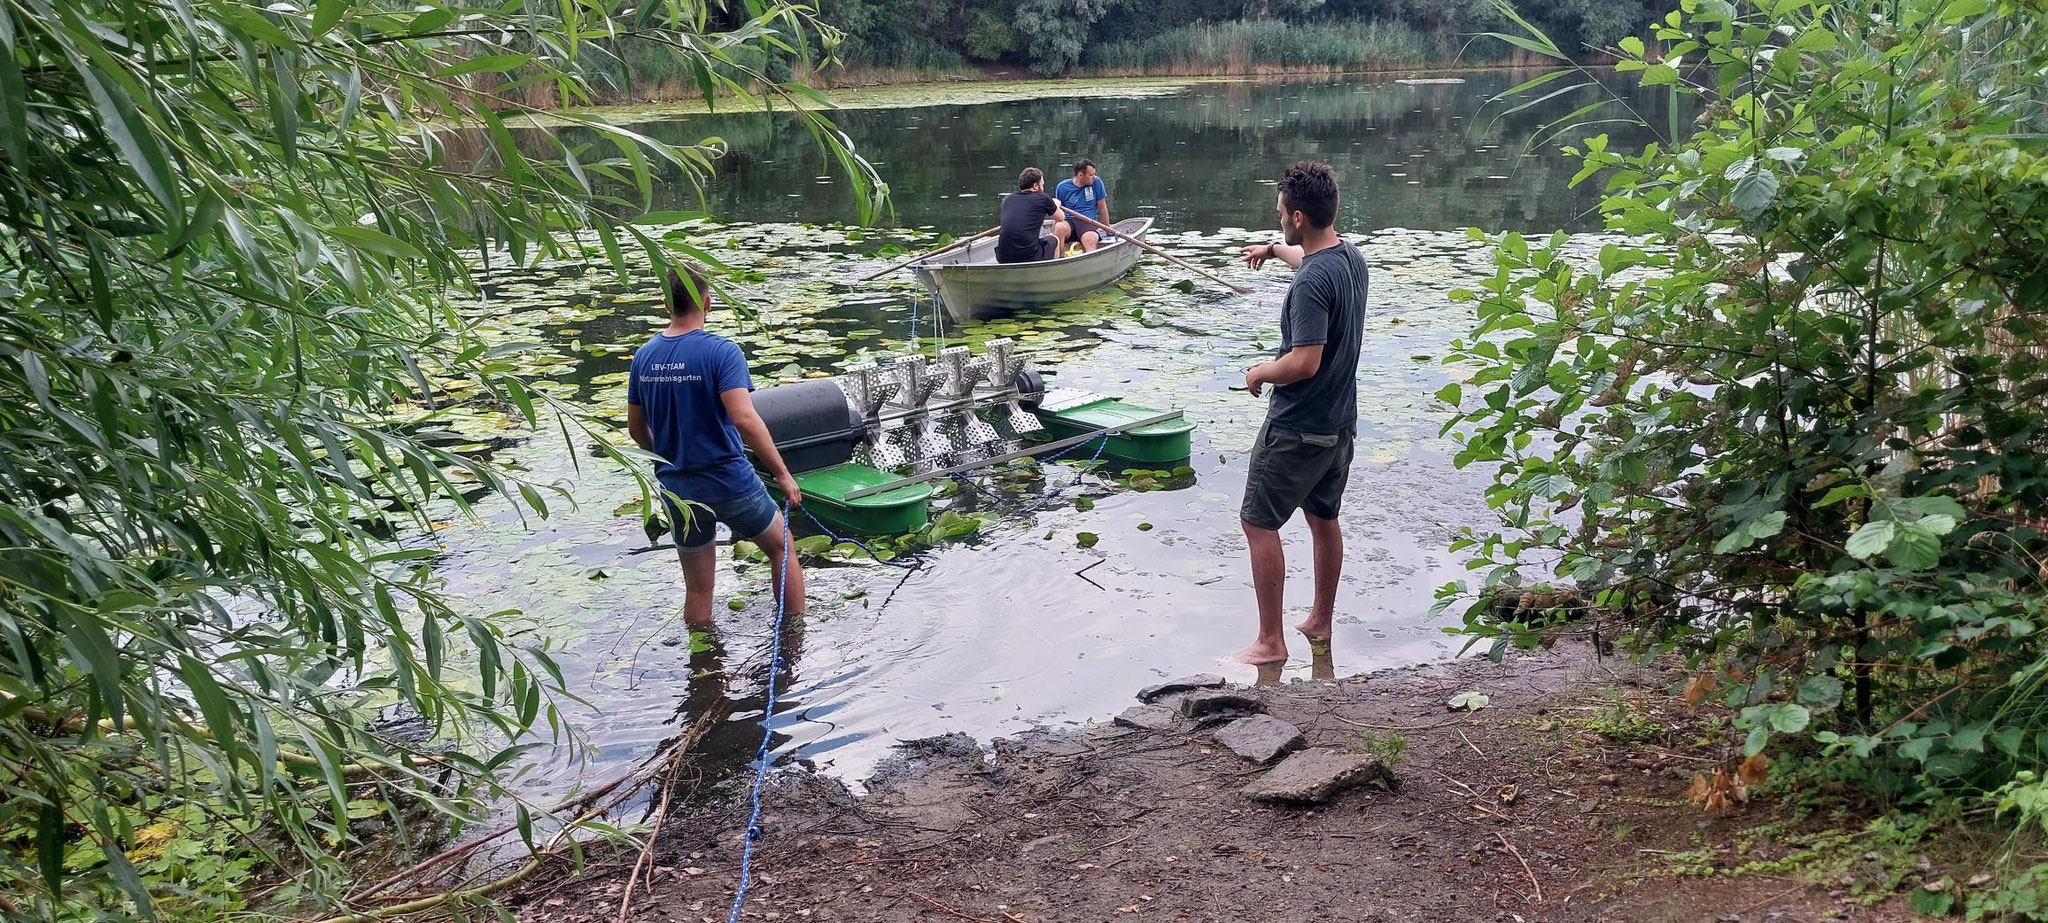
x: 1082, y: 471
x: 837, y: 538
x: 739, y: 898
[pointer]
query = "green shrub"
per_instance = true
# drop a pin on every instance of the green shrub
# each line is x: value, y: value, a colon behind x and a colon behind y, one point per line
x: 1245, y: 46
x: 991, y: 37
x: 1790, y: 421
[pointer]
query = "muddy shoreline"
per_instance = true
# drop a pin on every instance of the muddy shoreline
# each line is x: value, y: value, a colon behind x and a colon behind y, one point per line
x: 1526, y: 809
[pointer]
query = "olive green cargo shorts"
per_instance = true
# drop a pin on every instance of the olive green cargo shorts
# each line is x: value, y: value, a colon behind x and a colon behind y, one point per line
x: 1296, y: 471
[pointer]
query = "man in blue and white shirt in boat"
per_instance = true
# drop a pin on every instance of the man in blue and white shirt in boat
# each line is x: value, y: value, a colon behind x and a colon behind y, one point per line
x: 1085, y: 194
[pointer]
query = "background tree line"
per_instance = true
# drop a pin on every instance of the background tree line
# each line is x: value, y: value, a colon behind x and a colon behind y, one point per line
x: 1053, y: 36
x: 925, y: 38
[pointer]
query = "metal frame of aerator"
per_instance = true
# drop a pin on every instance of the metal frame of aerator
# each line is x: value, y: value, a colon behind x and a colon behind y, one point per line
x: 921, y: 412
x: 932, y: 405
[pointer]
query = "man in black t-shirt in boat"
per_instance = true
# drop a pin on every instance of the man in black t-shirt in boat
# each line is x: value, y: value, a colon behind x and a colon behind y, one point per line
x: 1302, y: 459
x: 1024, y: 238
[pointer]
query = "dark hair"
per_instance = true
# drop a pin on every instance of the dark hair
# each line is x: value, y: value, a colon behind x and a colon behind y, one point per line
x: 1082, y: 164
x: 688, y: 296
x: 1031, y: 176
x: 1310, y: 188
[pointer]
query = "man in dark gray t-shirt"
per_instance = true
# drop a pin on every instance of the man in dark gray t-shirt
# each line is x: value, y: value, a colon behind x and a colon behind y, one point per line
x: 1302, y: 459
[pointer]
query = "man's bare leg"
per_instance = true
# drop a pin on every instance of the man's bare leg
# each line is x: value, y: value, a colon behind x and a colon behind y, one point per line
x: 1328, y: 543
x: 773, y: 544
x: 1269, y: 580
x: 1090, y: 240
x: 700, y: 572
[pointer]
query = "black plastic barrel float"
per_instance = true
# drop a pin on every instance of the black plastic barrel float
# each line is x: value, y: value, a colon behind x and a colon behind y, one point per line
x: 812, y: 423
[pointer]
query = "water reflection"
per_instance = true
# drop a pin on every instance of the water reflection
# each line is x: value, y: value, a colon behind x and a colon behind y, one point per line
x: 1434, y: 157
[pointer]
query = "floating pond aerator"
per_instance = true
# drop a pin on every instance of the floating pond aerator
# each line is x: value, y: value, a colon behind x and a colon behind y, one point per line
x: 864, y: 446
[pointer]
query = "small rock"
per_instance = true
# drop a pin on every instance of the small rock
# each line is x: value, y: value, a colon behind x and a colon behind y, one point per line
x: 1184, y: 684
x: 1220, y: 703
x: 1316, y: 775
x: 1608, y: 778
x: 1154, y: 718
x: 1260, y: 738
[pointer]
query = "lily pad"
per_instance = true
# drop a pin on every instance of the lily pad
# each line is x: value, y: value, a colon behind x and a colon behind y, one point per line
x: 1469, y: 701
x: 1086, y: 539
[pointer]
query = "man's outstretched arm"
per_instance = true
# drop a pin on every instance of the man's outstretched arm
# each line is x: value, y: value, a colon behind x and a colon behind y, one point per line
x: 1256, y: 255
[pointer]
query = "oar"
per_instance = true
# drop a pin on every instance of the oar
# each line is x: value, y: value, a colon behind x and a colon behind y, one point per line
x: 931, y: 253
x: 1155, y: 251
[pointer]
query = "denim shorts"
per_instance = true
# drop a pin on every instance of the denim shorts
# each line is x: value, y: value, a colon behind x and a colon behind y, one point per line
x: 747, y: 515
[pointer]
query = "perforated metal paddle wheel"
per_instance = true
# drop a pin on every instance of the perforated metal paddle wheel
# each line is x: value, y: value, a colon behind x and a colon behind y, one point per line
x: 864, y: 445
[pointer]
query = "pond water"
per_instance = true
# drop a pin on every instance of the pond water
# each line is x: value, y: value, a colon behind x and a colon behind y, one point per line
x: 1005, y: 631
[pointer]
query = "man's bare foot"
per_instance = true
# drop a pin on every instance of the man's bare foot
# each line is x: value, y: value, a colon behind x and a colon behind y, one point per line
x: 1315, y: 630
x: 1263, y: 651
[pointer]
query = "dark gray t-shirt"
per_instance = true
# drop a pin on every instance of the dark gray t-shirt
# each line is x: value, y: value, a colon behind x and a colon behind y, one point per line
x: 1326, y: 305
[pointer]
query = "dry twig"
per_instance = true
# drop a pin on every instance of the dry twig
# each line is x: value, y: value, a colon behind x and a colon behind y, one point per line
x: 942, y: 907
x: 1526, y: 870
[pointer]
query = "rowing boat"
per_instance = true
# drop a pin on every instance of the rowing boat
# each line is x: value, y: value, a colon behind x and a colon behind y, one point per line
x: 971, y: 284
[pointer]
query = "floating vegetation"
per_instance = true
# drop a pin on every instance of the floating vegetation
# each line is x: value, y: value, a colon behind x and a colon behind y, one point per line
x: 572, y: 327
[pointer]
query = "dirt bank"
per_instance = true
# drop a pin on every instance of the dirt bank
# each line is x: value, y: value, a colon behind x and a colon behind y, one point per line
x: 1561, y: 799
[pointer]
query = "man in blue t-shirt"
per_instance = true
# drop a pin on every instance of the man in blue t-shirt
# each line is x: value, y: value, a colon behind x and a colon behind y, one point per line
x: 689, y: 400
x: 1085, y: 194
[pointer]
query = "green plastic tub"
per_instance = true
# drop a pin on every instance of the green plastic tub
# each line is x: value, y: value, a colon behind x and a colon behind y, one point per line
x: 1155, y: 444
x: 894, y: 512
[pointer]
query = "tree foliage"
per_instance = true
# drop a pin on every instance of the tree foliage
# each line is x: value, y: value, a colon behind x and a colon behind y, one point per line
x: 1052, y: 36
x: 1790, y: 423
x: 232, y: 250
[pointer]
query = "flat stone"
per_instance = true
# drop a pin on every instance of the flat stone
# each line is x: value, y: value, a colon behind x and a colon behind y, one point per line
x: 1184, y: 684
x: 1316, y: 775
x: 1260, y: 738
x: 1155, y: 718
x: 1220, y: 703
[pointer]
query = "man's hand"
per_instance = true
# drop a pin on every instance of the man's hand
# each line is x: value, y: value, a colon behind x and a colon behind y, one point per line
x: 1252, y: 380
x: 1256, y: 256
x: 787, y: 485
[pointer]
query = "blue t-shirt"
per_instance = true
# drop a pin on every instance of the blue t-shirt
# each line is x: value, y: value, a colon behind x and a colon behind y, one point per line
x: 1082, y: 200
x: 677, y: 381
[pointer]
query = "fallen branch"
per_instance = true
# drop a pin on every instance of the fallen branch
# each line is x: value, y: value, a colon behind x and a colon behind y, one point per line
x: 941, y: 907
x: 640, y: 866
x: 1526, y: 870
x: 616, y: 789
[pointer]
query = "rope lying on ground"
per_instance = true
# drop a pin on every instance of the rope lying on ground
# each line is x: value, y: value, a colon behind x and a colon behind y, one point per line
x: 753, y: 832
